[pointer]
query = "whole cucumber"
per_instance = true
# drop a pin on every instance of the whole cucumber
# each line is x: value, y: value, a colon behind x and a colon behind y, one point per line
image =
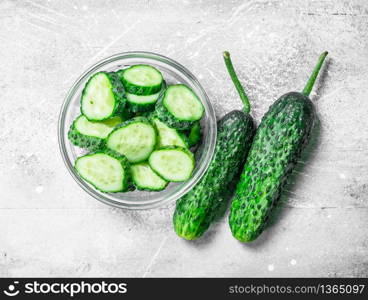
x: 277, y: 145
x: 196, y: 210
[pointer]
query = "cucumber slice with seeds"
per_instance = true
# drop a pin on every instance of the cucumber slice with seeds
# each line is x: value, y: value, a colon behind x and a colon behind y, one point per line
x: 102, y: 97
x: 179, y: 107
x: 141, y: 79
x: 145, y: 179
x: 107, y: 172
x: 172, y: 163
x: 135, y: 139
x: 91, y: 135
x: 169, y: 136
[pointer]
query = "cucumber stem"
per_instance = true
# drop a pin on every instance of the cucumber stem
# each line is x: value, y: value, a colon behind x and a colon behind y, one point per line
x: 309, y: 86
x: 238, y: 86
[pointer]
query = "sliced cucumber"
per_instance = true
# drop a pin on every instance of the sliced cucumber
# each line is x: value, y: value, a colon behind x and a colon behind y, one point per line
x: 172, y: 163
x: 91, y: 135
x: 169, y: 136
x: 141, y: 79
x: 102, y: 97
x: 139, y: 103
x: 194, y: 135
x: 135, y: 139
x: 179, y: 107
x: 145, y: 179
x: 107, y: 172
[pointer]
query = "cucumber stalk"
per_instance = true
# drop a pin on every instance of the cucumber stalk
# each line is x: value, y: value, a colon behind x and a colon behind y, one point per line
x: 312, y: 79
x: 238, y: 86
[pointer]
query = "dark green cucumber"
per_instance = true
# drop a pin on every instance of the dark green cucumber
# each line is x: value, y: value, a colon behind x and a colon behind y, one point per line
x: 103, y: 97
x: 194, y: 135
x: 141, y: 79
x: 179, y: 107
x: 279, y: 140
x: 107, y: 171
x: 91, y: 135
x: 199, y: 207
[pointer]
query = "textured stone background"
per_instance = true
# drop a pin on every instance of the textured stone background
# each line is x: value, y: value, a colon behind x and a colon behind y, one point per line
x: 50, y: 227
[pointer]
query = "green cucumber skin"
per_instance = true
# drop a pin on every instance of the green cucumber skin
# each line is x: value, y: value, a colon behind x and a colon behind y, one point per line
x: 128, y: 183
x: 139, y: 108
x: 144, y: 107
x: 196, y: 210
x: 165, y: 116
x: 133, y: 89
x: 118, y: 91
x: 90, y: 143
x: 195, y: 134
x: 277, y: 145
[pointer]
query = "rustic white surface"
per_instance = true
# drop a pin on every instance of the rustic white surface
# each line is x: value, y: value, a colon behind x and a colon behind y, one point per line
x: 50, y: 227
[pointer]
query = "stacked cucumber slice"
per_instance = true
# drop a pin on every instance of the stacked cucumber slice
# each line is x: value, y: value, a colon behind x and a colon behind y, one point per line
x: 140, y: 132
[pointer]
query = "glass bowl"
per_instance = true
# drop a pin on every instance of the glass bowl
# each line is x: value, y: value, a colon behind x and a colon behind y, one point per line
x: 173, y: 72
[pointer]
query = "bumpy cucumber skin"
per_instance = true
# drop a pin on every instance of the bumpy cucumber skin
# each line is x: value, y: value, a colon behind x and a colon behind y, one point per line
x: 90, y: 143
x: 276, y: 147
x: 195, y: 134
x: 196, y: 210
x: 127, y: 181
x: 165, y: 116
x: 139, y: 90
x: 118, y: 92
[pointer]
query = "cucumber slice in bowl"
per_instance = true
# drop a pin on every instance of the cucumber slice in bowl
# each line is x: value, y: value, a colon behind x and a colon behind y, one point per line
x: 106, y: 171
x: 91, y: 135
x: 194, y: 135
x: 135, y: 139
x: 102, y: 97
x: 172, y: 163
x: 141, y: 79
x: 169, y: 136
x: 179, y: 107
x: 139, y: 103
x: 145, y: 179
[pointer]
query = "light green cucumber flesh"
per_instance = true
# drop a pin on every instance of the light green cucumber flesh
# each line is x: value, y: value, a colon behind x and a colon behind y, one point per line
x: 141, y: 79
x: 168, y: 136
x: 96, y: 129
x: 139, y: 99
x: 136, y: 141
x: 98, y: 100
x: 182, y: 103
x: 102, y: 171
x: 145, y: 178
x: 172, y: 164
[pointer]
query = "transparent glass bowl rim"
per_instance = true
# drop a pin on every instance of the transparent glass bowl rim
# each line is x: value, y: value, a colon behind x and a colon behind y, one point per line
x: 139, y: 204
